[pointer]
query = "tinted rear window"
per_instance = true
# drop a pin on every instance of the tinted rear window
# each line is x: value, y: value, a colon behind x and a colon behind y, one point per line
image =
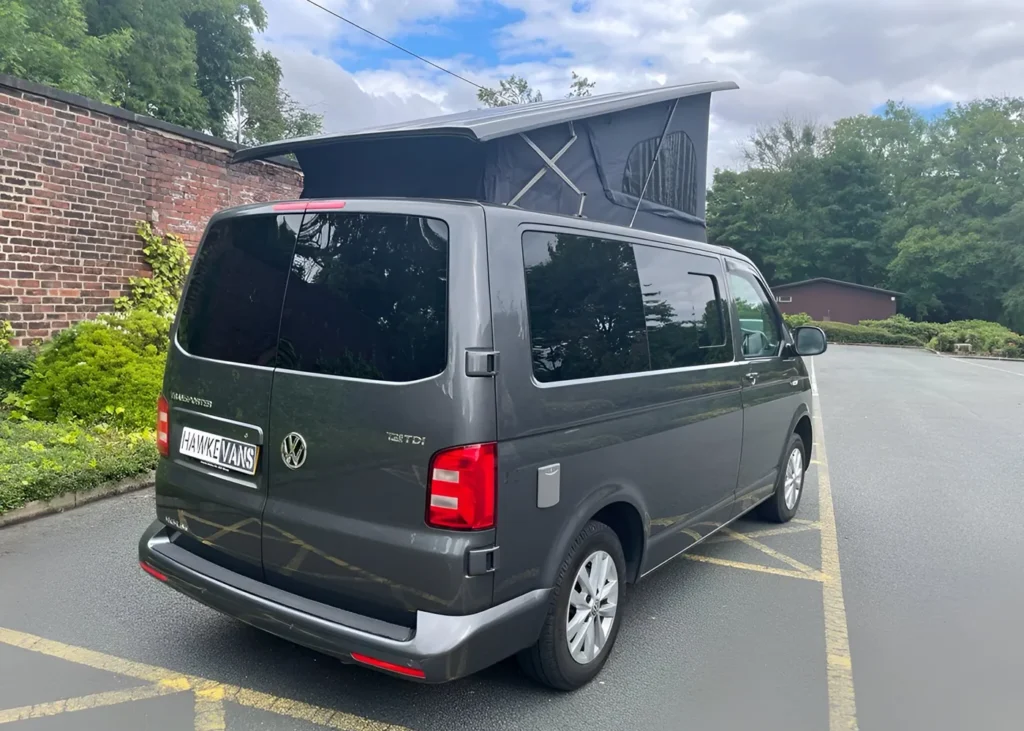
x: 586, y: 307
x: 685, y: 312
x: 232, y: 307
x: 366, y: 295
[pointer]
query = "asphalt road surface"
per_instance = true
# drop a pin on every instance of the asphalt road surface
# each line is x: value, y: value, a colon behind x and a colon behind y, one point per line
x: 925, y: 463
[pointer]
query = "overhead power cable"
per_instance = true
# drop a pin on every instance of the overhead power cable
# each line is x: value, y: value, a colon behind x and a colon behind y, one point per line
x: 395, y: 45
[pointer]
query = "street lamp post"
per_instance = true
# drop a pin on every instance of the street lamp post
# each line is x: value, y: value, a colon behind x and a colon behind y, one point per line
x: 238, y: 106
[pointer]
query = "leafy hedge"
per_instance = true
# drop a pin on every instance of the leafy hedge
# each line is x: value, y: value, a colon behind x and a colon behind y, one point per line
x: 985, y: 338
x: 39, y: 461
x: 903, y: 325
x: 841, y: 332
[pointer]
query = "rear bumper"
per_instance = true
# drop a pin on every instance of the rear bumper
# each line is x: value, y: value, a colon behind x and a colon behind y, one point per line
x: 443, y: 647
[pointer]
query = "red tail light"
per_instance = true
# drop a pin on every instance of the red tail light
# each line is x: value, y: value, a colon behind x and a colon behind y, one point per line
x: 462, y: 488
x: 163, y: 427
x: 152, y: 571
x: 384, y: 665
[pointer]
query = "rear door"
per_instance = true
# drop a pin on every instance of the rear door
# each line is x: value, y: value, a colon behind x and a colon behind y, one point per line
x: 218, y: 383
x: 383, y: 301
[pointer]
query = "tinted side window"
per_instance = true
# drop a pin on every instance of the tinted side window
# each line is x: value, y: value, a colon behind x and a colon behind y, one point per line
x: 758, y: 324
x: 586, y: 307
x: 686, y: 322
x: 367, y: 297
x: 673, y: 183
x: 232, y: 307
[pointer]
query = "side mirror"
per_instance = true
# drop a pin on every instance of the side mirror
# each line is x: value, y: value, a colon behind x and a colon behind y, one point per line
x: 808, y: 340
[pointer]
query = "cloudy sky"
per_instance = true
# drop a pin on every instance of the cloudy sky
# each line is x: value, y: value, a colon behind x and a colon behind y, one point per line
x: 816, y: 59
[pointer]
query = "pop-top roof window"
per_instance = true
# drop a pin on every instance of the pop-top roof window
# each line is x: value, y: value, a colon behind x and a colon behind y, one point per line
x: 673, y: 182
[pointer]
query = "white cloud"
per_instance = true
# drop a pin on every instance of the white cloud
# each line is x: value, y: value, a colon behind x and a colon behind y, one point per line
x: 817, y: 59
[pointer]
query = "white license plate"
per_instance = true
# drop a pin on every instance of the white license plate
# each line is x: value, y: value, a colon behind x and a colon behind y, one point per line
x: 217, y: 451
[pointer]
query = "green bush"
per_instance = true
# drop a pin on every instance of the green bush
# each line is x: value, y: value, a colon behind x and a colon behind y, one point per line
x: 841, y: 332
x: 797, y: 320
x: 986, y: 338
x: 15, y: 368
x: 39, y: 461
x: 903, y: 325
x: 108, y: 370
x: 6, y: 334
x: 15, y: 365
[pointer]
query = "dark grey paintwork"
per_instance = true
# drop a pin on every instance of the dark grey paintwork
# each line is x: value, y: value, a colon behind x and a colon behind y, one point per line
x: 337, y: 555
x: 775, y: 390
x: 348, y: 527
x: 488, y: 124
x: 445, y: 647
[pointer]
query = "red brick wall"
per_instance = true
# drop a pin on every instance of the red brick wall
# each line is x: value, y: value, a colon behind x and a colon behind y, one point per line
x: 829, y: 301
x: 75, y: 179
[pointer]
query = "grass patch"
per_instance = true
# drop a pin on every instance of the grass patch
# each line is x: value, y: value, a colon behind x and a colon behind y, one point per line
x: 40, y: 460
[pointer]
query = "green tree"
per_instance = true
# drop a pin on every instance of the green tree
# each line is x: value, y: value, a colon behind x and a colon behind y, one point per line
x: 172, y: 59
x: 224, y: 50
x: 778, y: 146
x: 47, y: 41
x: 960, y: 257
x: 517, y: 90
x: 931, y: 208
x: 513, y: 90
x: 158, y: 72
x: 270, y: 113
x: 581, y: 86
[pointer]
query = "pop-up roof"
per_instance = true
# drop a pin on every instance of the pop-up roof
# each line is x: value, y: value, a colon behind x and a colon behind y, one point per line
x: 636, y: 158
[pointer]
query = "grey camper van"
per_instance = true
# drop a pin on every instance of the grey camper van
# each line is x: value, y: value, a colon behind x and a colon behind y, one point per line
x: 480, y: 377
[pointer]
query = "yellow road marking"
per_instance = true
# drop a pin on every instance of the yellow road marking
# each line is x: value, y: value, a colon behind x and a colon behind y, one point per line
x: 781, y: 531
x: 210, y: 709
x: 842, y: 706
x: 92, y: 659
x: 789, y: 560
x: 165, y: 682
x: 816, y: 576
x: 86, y: 702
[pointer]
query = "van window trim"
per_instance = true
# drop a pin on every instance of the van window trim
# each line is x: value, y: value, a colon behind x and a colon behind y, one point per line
x: 733, y: 264
x: 721, y: 275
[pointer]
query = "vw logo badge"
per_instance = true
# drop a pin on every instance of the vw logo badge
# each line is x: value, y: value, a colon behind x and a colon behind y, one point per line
x: 293, y: 451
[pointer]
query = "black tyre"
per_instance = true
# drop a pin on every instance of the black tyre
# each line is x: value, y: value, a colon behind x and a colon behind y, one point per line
x: 781, y: 507
x: 584, y: 612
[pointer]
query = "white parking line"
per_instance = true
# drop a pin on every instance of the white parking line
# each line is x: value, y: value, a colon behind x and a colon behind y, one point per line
x: 982, y: 365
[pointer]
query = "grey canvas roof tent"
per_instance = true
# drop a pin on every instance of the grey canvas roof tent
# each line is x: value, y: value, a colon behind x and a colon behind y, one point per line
x: 636, y: 158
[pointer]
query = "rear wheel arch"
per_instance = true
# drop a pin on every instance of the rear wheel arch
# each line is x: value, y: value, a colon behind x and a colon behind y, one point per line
x: 621, y: 509
x: 623, y: 518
